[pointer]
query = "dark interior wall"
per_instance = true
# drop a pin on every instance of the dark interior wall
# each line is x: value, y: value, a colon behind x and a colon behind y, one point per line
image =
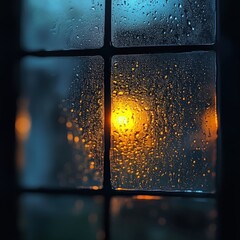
x: 229, y: 107
x: 9, y: 23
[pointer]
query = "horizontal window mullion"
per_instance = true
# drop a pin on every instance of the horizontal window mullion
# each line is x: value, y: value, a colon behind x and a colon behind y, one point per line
x: 110, y: 51
x: 112, y: 192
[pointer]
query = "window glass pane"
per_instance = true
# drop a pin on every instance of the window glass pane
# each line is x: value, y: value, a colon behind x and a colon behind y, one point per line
x: 62, y: 24
x: 60, y: 217
x: 164, y: 122
x: 154, y: 218
x: 163, y: 22
x: 59, y: 124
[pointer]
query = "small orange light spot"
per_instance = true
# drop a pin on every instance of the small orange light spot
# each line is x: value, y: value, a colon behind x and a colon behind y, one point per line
x: 70, y: 136
x: 76, y: 139
x: 68, y: 124
x: 92, y: 165
x: 23, y: 125
x: 147, y: 197
x: 22, y: 129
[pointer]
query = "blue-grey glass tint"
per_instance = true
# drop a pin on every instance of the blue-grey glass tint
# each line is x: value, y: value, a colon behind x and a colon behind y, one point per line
x: 156, y: 218
x: 164, y: 122
x: 62, y: 24
x: 60, y: 217
x: 163, y: 22
x: 59, y: 123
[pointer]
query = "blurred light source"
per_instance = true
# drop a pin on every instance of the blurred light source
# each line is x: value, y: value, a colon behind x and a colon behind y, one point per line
x: 128, y: 117
x: 23, y: 121
x: 147, y: 197
x: 210, y: 124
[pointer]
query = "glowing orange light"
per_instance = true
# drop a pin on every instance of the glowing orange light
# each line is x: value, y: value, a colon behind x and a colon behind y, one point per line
x: 128, y: 117
x: 22, y: 129
x: 68, y: 124
x: 123, y: 119
x: 70, y: 137
x: 210, y: 124
x: 147, y: 197
x: 23, y: 124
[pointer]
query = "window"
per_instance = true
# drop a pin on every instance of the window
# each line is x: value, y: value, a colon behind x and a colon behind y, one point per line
x: 155, y: 118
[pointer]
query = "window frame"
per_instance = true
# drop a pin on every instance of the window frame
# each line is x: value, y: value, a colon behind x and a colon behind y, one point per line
x: 12, y: 54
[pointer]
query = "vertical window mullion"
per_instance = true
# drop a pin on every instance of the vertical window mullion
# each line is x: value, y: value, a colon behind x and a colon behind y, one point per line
x: 107, y: 116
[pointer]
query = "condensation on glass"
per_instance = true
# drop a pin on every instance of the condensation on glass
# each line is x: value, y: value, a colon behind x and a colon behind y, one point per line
x: 59, y: 123
x: 164, y: 122
x: 62, y: 24
x: 152, y: 218
x: 60, y: 217
x: 163, y: 22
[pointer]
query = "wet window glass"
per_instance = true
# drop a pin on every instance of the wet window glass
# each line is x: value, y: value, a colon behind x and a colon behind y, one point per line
x: 60, y: 217
x: 164, y: 122
x: 163, y: 22
x: 154, y: 218
x: 59, y: 123
x: 100, y: 120
x: 62, y: 24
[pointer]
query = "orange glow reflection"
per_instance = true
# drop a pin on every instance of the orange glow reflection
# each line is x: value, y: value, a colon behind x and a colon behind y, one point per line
x: 210, y: 124
x: 147, y: 197
x: 129, y: 118
x: 22, y: 129
x: 132, y: 135
x: 123, y: 119
x: 23, y: 122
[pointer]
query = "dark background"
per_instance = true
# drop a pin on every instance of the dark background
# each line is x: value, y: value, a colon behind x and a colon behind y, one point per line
x: 229, y: 105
